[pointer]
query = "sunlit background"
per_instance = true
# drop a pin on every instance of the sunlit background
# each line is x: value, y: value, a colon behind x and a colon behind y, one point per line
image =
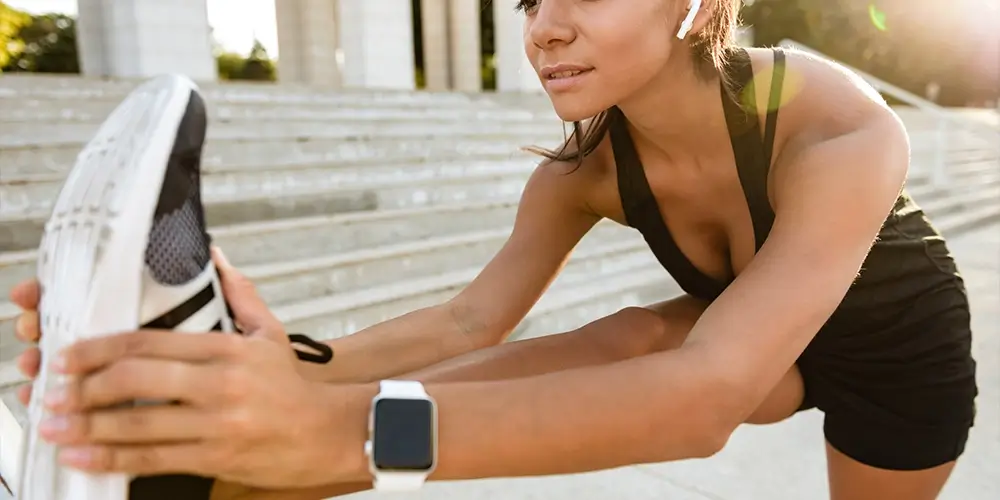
x: 948, y: 51
x: 235, y: 23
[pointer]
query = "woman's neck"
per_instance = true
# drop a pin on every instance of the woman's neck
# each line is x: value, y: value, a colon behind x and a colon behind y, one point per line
x: 679, y: 113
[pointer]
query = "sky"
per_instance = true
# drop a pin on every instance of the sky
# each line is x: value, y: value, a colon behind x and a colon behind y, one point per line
x: 236, y: 22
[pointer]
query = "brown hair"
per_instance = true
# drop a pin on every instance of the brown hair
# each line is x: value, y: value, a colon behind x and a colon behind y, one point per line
x: 710, y: 51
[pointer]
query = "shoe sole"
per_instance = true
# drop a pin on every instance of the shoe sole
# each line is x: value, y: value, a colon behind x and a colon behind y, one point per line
x: 94, y: 247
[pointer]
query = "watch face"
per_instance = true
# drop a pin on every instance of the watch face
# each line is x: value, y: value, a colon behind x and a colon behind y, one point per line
x: 403, y: 435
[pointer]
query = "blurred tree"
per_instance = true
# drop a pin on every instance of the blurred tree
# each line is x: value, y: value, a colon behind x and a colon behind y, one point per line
x: 229, y: 64
x: 11, y: 22
x: 258, y: 65
x: 489, y: 67
x: 49, y: 46
x: 911, y: 44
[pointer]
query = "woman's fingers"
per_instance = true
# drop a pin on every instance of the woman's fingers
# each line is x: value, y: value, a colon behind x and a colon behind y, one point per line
x: 29, y: 362
x: 27, y: 328
x: 25, y: 294
x: 24, y: 394
x: 159, y: 423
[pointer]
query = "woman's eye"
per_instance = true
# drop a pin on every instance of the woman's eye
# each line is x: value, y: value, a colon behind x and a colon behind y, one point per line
x: 527, y: 6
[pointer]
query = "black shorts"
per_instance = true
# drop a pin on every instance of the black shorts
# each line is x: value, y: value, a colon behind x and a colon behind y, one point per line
x: 899, y: 395
x: 171, y: 487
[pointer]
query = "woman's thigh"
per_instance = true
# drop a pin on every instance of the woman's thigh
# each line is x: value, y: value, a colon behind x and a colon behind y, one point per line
x: 628, y: 333
x: 681, y: 313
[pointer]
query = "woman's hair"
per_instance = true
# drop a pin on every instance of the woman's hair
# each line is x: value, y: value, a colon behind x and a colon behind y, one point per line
x: 710, y: 48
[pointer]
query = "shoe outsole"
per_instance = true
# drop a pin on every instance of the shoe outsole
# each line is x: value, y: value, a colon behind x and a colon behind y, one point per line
x: 94, y: 248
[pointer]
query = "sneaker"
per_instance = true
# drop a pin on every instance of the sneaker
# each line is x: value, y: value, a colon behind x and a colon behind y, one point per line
x: 125, y: 248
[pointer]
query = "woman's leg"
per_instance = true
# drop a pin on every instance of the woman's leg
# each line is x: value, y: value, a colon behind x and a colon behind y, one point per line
x: 629, y: 333
x: 853, y: 480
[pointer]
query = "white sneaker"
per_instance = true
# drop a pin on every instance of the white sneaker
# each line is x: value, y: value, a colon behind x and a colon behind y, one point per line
x: 125, y: 248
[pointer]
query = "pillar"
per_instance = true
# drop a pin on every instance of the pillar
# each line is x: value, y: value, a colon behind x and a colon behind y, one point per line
x: 377, y: 40
x: 145, y: 38
x: 514, y: 71
x: 434, y: 29
x: 465, y: 45
x: 308, y: 41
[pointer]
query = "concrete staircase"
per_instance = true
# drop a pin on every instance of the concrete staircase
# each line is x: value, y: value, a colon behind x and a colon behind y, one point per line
x: 348, y: 208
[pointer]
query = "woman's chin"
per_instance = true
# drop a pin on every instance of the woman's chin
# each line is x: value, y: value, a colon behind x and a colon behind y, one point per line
x: 574, y: 108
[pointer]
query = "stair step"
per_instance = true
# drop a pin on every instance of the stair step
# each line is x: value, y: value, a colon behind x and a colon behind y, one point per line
x: 364, y: 188
x: 58, y: 112
x: 599, y: 255
x: 287, y: 282
x: 32, y: 135
x: 988, y: 212
x: 337, y: 315
x: 230, y: 156
x: 25, y: 232
x: 288, y: 239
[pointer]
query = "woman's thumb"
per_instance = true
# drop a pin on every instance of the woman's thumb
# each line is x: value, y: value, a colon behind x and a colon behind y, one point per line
x: 248, y: 309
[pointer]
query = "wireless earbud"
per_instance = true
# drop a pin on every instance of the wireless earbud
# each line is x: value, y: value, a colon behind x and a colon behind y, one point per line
x: 693, y: 9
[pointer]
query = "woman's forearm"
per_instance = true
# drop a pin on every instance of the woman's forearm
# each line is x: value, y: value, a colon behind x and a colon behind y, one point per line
x: 537, y: 356
x: 512, y: 360
x: 654, y: 408
x: 401, y: 345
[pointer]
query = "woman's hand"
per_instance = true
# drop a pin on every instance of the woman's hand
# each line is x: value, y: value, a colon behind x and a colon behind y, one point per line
x: 236, y: 287
x: 241, y: 411
x: 26, y: 329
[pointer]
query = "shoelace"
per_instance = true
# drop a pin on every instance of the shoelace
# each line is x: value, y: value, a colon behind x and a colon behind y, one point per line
x: 324, y: 352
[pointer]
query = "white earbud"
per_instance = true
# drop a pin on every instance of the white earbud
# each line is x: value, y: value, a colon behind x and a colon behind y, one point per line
x: 693, y: 9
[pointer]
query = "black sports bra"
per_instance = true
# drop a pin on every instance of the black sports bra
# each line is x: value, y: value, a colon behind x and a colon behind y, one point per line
x: 753, y: 152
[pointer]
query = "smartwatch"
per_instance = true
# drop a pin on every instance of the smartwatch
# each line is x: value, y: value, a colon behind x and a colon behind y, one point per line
x: 402, y: 436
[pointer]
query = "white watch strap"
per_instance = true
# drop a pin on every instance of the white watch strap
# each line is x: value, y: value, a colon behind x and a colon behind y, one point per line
x: 399, y: 481
x: 402, y: 389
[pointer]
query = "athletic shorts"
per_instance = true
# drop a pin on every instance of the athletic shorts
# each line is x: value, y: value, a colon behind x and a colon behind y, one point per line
x: 898, y: 392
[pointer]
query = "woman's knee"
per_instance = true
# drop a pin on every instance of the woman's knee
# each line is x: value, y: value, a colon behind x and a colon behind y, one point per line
x: 630, y: 332
x: 679, y: 316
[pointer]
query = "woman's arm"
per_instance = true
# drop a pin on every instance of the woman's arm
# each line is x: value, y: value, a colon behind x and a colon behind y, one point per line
x: 831, y: 200
x: 551, y: 219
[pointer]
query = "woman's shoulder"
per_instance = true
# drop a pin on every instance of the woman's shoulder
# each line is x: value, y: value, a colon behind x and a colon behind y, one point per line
x: 820, y: 99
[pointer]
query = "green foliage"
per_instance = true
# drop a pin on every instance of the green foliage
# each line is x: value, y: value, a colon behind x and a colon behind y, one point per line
x: 257, y: 66
x: 46, y: 44
x: 11, y: 22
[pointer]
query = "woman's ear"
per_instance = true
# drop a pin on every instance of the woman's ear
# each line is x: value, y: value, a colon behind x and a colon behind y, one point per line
x: 696, y: 16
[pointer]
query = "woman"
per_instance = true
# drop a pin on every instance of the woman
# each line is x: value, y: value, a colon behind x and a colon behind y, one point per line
x: 812, y: 280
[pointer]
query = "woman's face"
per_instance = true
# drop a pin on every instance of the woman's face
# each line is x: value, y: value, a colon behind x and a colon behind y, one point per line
x: 592, y: 54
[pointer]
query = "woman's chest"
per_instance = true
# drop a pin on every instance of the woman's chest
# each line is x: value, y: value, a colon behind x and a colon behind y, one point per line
x: 702, y: 214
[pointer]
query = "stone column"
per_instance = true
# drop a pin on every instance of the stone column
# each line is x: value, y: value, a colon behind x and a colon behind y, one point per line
x: 466, y: 45
x: 434, y: 31
x: 145, y: 38
x: 514, y: 71
x: 308, y: 42
x: 90, y: 38
x: 377, y: 39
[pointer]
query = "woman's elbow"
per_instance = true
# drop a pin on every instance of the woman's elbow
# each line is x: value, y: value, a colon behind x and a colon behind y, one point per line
x: 723, y: 408
x: 715, y: 433
x: 473, y: 325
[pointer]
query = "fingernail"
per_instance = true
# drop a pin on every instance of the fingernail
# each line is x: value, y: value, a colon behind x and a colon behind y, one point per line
x: 78, y: 457
x: 27, y: 321
x: 59, y: 362
x: 220, y: 255
x: 55, y: 397
x: 53, y: 425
